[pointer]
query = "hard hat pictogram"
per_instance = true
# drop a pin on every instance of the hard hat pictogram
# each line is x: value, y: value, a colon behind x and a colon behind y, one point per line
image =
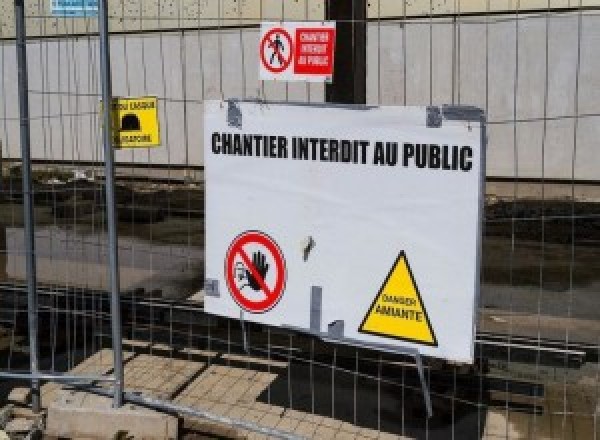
x: 130, y: 122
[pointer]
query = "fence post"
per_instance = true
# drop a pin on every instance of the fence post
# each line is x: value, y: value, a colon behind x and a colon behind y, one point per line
x: 28, y: 216
x: 349, y: 84
x: 111, y: 215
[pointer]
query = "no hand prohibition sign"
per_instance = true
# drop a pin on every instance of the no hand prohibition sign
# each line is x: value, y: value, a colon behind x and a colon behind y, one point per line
x: 255, y: 271
x: 276, y: 50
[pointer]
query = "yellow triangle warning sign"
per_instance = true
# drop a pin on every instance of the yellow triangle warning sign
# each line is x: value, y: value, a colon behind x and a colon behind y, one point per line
x: 398, y: 311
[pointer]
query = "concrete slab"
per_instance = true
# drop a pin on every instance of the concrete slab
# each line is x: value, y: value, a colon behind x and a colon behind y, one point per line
x: 25, y: 413
x: 220, y: 389
x: 162, y: 347
x: 79, y: 414
x: 233, y: 392
x: 343, y: 435
x: 219, y: 384
x: 159, y: 377
x: 99, y: 364
x: 255, y: 360
x: 19, y: 396
x: 134, y: 343
x: 19, y: 426
x: 198, y: 352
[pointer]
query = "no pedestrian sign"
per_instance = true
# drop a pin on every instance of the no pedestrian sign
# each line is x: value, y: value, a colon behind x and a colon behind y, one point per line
x: 294, y: 51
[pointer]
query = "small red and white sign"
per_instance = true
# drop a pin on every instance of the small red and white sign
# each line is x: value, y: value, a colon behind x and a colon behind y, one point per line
x: 296, y: 51
x: 255, y: 271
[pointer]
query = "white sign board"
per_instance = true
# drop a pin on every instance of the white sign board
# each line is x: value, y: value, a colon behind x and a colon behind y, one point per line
x: 360, y: 223
x: 297, y: 51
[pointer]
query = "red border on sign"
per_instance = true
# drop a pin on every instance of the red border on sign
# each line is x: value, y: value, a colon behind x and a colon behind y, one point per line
x: 274, y: 294
x: 307, y: 69
x: 267, y: 39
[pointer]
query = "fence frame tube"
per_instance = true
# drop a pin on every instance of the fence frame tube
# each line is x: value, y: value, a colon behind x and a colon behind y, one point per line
x: 111, y: 216
x: 28, y: 214
x: 54, y: 377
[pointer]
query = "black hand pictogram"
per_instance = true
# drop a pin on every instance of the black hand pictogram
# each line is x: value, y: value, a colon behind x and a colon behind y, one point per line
x: 259, y: 261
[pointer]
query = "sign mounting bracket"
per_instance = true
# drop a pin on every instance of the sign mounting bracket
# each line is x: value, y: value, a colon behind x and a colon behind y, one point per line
x: 335, y: 335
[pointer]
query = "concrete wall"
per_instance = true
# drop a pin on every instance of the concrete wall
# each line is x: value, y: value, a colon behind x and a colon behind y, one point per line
x: 512, y: 87
x: 182, y: 69
x: 145, y: 15
x: 185, y: 68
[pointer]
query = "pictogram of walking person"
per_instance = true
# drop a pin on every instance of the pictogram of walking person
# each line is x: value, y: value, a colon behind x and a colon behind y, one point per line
x: 278, y: 48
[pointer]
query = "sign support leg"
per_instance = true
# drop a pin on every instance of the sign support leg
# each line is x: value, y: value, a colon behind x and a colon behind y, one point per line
x: 335, y: 335
x: 326, y: 337
x: 424, y: 388
x: 244, y: 336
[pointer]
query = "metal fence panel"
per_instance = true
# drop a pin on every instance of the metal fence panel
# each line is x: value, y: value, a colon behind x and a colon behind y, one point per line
x: 533, y: 67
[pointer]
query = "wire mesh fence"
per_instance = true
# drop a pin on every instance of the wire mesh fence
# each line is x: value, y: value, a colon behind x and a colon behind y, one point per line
x: 532, y: 66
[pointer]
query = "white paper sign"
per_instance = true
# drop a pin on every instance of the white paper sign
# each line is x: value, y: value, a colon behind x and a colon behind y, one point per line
x: 361, y: 223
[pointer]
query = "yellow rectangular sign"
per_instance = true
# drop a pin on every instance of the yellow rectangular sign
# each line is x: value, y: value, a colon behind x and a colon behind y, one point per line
x: 135, y: 122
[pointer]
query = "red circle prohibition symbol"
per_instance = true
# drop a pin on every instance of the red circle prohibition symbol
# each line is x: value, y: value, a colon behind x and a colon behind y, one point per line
x: 272, y: 294
x: 270, y: 43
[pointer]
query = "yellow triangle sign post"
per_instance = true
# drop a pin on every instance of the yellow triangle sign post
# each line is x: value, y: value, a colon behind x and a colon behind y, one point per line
x: 398, y: 311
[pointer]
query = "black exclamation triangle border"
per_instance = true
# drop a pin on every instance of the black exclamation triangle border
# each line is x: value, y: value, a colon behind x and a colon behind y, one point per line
x: 416, y: 287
